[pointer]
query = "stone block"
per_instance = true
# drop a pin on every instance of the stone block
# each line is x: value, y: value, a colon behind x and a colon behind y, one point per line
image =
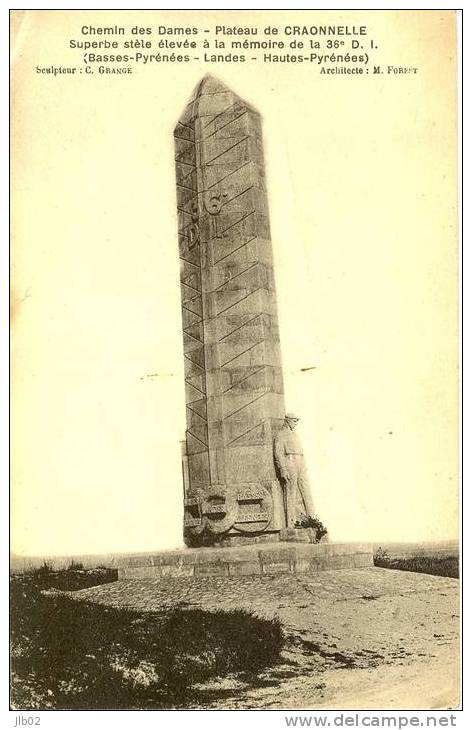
x: 340, y: 549
x: 247, y: 559
x: 339, y: 561
x: 211, y: 569
x: 264, y: 539
x: 177, y: 571
x: 253, y: 568
x: 140, y: 561
x: 139, y: 572
x: 363, y: 560
x: 268, y: 567
x: 307, y: 566
x: 285, y: 554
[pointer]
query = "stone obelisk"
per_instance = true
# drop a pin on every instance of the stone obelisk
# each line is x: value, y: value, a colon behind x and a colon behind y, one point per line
x: 233, y: 375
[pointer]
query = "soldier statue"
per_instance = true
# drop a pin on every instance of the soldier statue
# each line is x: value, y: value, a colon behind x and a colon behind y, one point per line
x: 288, y: 456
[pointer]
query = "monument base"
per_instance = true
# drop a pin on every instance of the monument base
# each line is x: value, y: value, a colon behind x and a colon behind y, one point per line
x: 259, y: 559
x: 286, y: 534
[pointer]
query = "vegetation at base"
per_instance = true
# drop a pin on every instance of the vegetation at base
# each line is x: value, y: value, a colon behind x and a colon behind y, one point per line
x: 69, y: 654
x: 74, y: 565
x: 72, y: 578
x: 314, y: 523
x: 445, y: 565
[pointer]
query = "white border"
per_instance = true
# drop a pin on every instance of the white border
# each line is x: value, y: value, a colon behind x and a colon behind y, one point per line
x: 198, y: 719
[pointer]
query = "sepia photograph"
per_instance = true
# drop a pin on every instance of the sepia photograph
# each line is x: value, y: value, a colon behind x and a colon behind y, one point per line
x: 234, y: 361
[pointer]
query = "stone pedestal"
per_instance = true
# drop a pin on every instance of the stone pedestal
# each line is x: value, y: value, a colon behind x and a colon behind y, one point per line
x: 303, y: 534
x: 258, y: 559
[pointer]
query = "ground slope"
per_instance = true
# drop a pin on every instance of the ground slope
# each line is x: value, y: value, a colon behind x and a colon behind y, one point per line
x: 358, y: 638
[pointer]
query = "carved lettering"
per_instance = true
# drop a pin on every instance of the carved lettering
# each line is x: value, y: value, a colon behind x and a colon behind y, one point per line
x: 250, y: 495
x: 214, y: 509
x: 253, y: 517
x: 191, y: 521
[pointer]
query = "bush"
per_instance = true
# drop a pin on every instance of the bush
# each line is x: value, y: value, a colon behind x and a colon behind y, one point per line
x: 45, y: 569
x: 314, y: 523
x: 381, y: 558
x: 75, y: 565
x: 72, y: 578
x: 445, y: 565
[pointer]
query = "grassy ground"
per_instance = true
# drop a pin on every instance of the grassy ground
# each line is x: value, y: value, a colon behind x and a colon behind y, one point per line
x: 445, y: 565
x: 72, y: 655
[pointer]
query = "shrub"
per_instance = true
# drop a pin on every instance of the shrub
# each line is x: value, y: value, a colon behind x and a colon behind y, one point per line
x: 314, y: 523
x: 45, y: 569
x: 73, y: 578
x: 381, y: 558
x: 73, y: 565
x: 445, y: 565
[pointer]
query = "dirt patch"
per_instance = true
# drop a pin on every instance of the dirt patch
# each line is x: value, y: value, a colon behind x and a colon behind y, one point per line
x: 357, y: 638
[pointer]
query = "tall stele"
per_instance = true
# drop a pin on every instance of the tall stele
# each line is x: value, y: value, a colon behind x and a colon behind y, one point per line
x: 233, y: 375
